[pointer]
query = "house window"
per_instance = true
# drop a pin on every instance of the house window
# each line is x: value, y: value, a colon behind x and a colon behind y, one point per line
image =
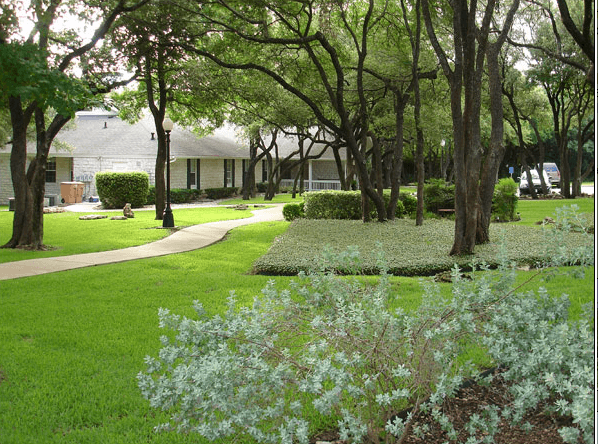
x: 229, y: 173
x: 51, y: 171
x: 264, y: 171
x: 193, y: 174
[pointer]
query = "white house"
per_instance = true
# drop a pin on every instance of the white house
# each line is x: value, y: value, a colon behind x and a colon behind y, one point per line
x: 100, y: 141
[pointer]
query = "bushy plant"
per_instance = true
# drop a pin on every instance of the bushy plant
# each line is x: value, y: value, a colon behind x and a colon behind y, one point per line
x: 504, y: 202
x: 332, y: 347
x: 177, y: 195
x: 343, y: 205
x: 438, y: 195
x: 220, y: 193
x: 117, y: 189
x: 409, y: 202
x: 292, y: 211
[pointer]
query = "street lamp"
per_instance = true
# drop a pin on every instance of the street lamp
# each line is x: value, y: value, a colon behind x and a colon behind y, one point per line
x: 168, y: 219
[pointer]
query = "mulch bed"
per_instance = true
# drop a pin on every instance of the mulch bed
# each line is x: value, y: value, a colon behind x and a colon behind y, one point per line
x: 473, y: 399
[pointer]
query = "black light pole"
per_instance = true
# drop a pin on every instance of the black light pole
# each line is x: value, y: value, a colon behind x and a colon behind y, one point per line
x: 168, y: 219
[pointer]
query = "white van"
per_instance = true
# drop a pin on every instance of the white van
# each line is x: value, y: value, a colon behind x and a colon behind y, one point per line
x: 524, y: 186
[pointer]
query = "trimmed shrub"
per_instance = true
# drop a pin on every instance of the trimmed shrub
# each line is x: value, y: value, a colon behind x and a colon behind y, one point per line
x: 177, y: 195
x: 117, y: 189
x: 220, y: 193
x: 438, y: 195
x: 261, y: 187
x: 344, y: 205
x: 292, y: 211
x: 409, y: 202
x: 505, y: 199
x: 333, y: 205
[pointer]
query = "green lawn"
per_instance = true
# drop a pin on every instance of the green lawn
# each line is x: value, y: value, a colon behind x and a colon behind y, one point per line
x: 72, y: 343
x: 67, y: 235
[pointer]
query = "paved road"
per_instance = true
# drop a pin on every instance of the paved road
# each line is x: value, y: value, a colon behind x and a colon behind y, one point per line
x: 186, y: 239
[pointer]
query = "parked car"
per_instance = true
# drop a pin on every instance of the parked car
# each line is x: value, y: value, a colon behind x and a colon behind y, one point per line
x: 553, y: 172
x: 524, y: 185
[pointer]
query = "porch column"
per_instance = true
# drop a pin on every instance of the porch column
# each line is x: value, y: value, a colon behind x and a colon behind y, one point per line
x: 309, y: 184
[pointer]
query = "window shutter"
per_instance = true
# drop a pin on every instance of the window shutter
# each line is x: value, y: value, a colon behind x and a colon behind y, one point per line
x: 188, y: 174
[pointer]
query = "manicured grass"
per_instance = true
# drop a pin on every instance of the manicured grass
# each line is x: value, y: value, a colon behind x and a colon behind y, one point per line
x: 67, y: 235
x: 533, y: 211
x: 71, y: 343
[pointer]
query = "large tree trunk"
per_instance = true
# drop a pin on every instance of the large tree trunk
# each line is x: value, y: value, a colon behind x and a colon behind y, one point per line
x: 496, y: 148
x: 29, y: 183
x: 397, y: 158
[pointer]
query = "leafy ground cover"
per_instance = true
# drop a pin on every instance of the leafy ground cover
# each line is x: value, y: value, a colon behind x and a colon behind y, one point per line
x: 410, y: 250
x: 65, y: 234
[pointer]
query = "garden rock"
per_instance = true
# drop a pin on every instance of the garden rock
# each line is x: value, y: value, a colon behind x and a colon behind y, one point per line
x: 52, y: 210
x: 127, y: 211
x: 118, y: 218
x: 92, y: 217
x: 240, y: 207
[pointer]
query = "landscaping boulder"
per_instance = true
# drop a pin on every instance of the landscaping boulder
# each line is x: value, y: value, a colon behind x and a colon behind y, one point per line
x: 92, y: 217
x: 118, y: 218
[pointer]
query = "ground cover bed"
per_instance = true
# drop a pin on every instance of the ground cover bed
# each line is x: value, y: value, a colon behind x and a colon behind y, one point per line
x: 72, y: 343
x: 409, y: 250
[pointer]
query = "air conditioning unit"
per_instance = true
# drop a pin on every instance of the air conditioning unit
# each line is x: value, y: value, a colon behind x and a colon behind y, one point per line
x: 51, y: 200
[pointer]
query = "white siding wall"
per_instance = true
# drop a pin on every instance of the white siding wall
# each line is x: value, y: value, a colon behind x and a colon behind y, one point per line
x: 85, y: 169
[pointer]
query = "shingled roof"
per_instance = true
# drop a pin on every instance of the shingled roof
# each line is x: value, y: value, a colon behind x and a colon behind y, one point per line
x: 96, y: 133
x: 103, y: 133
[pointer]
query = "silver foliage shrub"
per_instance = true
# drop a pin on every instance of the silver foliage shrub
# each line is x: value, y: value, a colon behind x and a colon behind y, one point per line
x: 329, y: 346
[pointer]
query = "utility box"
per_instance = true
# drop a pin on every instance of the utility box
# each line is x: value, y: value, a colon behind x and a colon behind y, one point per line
x: 72, y: 192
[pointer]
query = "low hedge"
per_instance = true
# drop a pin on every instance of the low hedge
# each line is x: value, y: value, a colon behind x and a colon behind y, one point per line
x: 220, y: 193
x: 346, y: 205
x: 177, y: 195
x: 292, y: 211
x: 117, y: 189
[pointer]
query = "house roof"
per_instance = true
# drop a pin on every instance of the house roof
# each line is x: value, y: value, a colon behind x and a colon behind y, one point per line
x: 103, y: 133
x: 107, y: 135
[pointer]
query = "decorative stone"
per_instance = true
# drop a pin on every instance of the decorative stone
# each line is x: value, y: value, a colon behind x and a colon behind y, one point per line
x: 51, y: 210
x: 92, y: 217
x: 118, y: 218
x: 127, y: 211
x: 240, y: 207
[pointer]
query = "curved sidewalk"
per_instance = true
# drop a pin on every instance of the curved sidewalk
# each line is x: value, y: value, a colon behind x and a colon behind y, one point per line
x: 186, y: 239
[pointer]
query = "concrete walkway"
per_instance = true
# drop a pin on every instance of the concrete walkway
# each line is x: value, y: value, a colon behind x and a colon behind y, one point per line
x: 186, y: 239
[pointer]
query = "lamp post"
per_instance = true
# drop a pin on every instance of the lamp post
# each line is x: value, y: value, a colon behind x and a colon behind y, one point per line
x: 168, y: 219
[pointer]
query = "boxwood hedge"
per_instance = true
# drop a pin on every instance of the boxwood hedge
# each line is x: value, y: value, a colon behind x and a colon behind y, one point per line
x: 346, y: 205
x: 117, y: 189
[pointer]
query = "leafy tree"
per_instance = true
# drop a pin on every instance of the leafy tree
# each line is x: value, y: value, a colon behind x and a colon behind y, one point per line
x: 144, y: 37
x: 295, y: 42
x: 36, y: 76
